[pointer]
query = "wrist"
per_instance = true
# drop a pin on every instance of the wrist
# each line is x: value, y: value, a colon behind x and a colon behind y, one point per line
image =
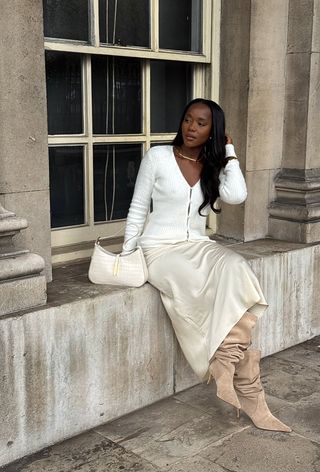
x: 230, y: 151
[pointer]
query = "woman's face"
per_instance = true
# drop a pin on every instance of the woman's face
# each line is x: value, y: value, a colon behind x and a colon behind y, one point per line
x: 196, y: 125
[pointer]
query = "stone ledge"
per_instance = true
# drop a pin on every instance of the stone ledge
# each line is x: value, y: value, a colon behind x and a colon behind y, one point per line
x: 95, y: 353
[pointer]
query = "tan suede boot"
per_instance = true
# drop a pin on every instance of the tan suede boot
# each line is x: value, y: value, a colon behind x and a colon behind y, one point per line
x: 229, y: 353
x: 251, y: 394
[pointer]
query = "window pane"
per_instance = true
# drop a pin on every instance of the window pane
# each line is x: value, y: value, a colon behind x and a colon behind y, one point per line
x: 115, y: 170
x: 125, y: 23
x: 170, y: 92
x: 67, y: 19
x: 180, y: 25
x: 66, y: 186
x: 116, y: 95
x: 64, y: 93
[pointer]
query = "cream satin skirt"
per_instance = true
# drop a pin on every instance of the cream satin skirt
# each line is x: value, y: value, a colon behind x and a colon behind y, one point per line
x: 205, y: 288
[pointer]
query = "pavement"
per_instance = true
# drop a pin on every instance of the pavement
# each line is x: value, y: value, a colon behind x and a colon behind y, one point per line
x: 194, y: 431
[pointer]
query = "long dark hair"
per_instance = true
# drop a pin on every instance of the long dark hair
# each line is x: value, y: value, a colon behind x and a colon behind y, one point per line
x: 213, y: 153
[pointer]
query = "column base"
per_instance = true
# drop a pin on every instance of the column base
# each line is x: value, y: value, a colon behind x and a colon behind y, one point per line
x: 295, y: 213
x: 21, y: 294
x: 294, y: 231
x: 21, y: 284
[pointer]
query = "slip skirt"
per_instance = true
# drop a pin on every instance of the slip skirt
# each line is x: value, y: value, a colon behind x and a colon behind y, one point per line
x: 205, y: 288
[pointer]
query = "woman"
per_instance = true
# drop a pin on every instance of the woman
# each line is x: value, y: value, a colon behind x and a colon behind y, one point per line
x: 210, y: 293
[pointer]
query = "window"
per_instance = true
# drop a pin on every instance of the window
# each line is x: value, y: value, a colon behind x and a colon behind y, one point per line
x: 66, y: 19
x: 183, y: 16
x: 118, y: 76
x: 125, y: 23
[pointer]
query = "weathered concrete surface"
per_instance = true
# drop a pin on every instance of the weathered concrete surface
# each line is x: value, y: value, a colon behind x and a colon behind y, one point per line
x: 96, y: 353
x: 193, y: 431
x: 69, y: 368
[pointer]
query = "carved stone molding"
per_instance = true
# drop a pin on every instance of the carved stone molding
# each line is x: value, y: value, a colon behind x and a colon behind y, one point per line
x: 5, y: 213
x: 295, y: 214
x: 21, y: 284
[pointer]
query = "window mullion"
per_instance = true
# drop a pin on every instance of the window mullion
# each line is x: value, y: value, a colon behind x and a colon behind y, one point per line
x: 154, y: 25
x: 94, y: 23
x: 208, y: 10
x: 89, y: 153
x: 214, y: 54
x: 198, y: 81
x: 146, y: 102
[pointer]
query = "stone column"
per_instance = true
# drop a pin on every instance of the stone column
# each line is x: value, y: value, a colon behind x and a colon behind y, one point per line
x: 252, y: 88
x: 295, y: 212
x: 234, y: 85
x: 24, y: 181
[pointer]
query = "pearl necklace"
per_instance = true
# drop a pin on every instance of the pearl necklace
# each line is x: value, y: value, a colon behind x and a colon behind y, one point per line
x: 186, y: 157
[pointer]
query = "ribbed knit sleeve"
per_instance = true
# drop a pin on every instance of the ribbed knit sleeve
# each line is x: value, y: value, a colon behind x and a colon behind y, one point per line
x: 232, y: 186
x: 140, y: 203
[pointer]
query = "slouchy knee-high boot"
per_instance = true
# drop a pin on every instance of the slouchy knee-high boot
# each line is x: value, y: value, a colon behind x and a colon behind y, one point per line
x: 229, y: 353
x: 251, y: 394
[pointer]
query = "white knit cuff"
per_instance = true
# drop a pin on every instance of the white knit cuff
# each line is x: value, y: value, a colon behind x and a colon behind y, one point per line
x: 230, y: 152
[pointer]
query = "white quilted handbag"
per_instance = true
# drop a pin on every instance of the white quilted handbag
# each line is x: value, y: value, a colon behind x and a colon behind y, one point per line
x: 127, y: 270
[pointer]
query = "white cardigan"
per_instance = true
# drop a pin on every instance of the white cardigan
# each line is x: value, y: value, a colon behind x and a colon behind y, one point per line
x: 175, y: 214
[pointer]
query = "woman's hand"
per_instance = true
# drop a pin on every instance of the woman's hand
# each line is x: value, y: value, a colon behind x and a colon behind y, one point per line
x: 228, y: 139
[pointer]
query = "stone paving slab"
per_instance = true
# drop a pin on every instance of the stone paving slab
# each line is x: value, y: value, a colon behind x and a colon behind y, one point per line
x: 148, y: 424
x: 185, y: 441
x: 170, y: 430
x: 288, y: 380
x: 304, y: 416
x: 254, y: 450
x: 89, y: 452
x: 307, y: 355
x: 195, y: 464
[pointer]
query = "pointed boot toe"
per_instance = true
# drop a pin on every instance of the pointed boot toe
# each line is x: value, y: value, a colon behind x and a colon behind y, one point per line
x: 257, y: 410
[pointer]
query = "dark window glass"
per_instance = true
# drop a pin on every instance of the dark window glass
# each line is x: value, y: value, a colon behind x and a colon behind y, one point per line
x: 170, y: 92
x: 116, y: 95
x: 66, y: 19
x: 180, y: 25
x: 64, y: 93
x: 125, y: 23
x: 66, y: 186
x: 115, y: 170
